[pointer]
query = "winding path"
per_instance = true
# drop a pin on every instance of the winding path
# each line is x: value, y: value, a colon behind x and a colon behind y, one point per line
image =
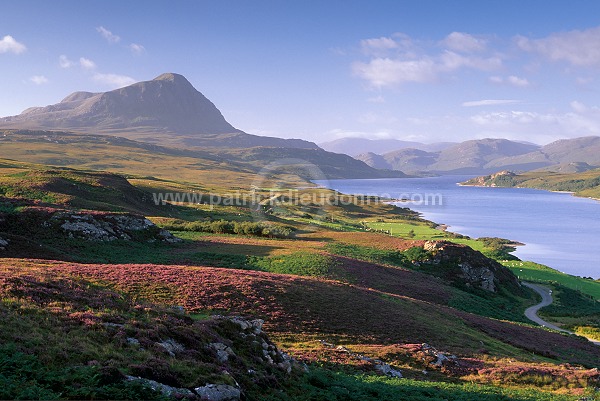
x: 531, y: 312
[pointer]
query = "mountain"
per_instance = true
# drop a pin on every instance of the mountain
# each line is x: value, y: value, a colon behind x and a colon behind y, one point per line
x: 167, y: 110
x: 356, y: 146
x: 551, y: 156
x: 469, y: 157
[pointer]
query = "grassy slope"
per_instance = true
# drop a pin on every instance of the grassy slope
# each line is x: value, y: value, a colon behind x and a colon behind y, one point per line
x: 390, y: 303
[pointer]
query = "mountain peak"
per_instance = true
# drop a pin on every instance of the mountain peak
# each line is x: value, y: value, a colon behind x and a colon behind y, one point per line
x: 170, y: 76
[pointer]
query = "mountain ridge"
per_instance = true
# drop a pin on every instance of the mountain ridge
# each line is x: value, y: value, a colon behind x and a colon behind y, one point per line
x: 166, y: 110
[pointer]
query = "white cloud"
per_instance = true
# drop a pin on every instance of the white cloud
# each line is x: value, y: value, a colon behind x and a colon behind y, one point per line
x: 489, y: 102
x: 453, y: 61
x: 398, y: 60
x: 579, y: 48
x: 108, y: 35
x: 511, y: 80
x: 137, y: 49
x: 38, y: 79
x: 465, y: 43
x: 341, y: 133
x: 378, y: 45
x: 582, y: 121
x: 114, y: 80
x: 381, y: 72
x: 578, y: 107
x: 86, y: 63
x: 64, y: 61
x: 8, y: 44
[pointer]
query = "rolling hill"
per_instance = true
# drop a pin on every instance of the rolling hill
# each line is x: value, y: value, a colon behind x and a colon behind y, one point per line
x: 469, y: 157
x: 356, y: 146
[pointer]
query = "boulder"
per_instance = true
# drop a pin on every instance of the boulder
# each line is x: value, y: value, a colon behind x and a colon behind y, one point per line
x: 218, y: 392
x: 467, y: 266
x: 223, y: 351
x: 167, y: 391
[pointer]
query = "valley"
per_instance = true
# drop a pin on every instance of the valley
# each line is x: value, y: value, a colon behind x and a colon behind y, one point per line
x: 143, y: 258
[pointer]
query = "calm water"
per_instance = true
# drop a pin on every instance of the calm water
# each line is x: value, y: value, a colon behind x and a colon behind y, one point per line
x: 559, y: 230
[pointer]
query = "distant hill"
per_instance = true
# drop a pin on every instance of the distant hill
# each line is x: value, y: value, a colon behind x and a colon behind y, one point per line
x: 167, y: 110
x: 229, y: 168
x: 356, y: 146
x: 469, y: 157
x: 585, y: 183
x: 564, y: 151
x: 166, y: 115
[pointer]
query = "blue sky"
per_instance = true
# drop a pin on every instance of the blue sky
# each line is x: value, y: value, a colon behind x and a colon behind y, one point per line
x: 415, y: 70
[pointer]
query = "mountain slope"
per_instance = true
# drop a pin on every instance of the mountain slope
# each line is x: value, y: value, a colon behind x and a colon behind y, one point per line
x: 564, y: 151
x: 355, y: 146
x: 468, y: 157
x: 165, y: 110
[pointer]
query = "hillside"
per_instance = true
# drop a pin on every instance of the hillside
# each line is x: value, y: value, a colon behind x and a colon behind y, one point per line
x: 142, y: 307
x: 167, y: 110
x: 553, y: 155
x: 469, y: 157
x: 225, y: 168
x: 586, y: 183
x: 357, y: 146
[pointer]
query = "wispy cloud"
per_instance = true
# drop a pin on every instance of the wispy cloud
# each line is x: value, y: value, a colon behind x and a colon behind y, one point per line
x: 38, y: 79
x: 406, y: 60
x: 341, y: 133
x: 380, y: 72
x: 113, y: 80
x: 137, y: 49
x: 64, y: 61
x: 377, y: 45
x: 511, y: 80
x: 8, y: 44
x: 86, y: 63
x: 464, y: 42
x: 489, y: 102
x: 108, y: 35
x: 579, y: 48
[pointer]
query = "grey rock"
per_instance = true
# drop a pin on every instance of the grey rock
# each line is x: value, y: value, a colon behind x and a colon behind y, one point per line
x: 3, y: 244
x: 171, y: 346
x: 387, y: 370
x: 218, y: 392
x: 168, y: 391
x: 222, y: 350
x: 133, y: 341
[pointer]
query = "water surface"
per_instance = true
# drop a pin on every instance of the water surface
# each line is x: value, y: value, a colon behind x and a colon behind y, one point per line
x: 559, y: 230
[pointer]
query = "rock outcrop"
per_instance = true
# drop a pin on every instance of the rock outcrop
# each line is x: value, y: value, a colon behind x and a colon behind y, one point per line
x: 108, y: 227
x: 464, y: 265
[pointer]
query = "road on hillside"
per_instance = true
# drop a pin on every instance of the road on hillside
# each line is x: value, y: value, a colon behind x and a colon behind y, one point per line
x: 531, y: 312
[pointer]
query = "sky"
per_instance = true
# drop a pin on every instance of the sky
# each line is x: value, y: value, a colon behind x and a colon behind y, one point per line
x: 320, y: 70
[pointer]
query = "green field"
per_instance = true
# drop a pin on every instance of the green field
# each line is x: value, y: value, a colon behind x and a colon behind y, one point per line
x: 531, y: 271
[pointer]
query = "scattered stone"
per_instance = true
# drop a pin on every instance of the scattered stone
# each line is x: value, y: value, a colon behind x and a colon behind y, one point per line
x: 167, y: 391
x: 133, y: 341
x: 222, y: 350
x: 113, y: 325
x: 171, y: 346
x: 218, y: 392
x: 387, y: 370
